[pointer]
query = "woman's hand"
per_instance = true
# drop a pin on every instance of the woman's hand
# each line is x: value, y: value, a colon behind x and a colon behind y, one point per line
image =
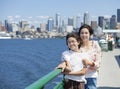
x: 88, y: 63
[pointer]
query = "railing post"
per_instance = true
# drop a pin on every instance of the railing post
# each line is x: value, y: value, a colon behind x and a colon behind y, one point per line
x: 39, y: 84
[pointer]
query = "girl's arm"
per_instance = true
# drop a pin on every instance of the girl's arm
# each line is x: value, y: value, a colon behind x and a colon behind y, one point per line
x: 65, y: 65
x: 62, y: 66
x: 68, y: 66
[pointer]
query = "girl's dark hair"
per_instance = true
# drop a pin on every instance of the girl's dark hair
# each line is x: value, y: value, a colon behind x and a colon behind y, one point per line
x: 74, y: 35
x: 86, y: 26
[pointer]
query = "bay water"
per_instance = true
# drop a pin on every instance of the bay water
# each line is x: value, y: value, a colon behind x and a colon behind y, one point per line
x: 23, y: 62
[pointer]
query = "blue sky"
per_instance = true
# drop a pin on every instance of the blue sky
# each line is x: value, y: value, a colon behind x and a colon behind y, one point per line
x: 41, y: 9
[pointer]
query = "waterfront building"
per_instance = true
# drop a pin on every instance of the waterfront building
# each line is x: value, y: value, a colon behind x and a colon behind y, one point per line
x: 24, y: 24
x: 43, y: 27
x: 69, y: 29
x: 2, y: 28
x: 14, y: 27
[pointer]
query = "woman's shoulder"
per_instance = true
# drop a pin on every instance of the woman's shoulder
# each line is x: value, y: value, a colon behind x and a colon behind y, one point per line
x: 94, y: 43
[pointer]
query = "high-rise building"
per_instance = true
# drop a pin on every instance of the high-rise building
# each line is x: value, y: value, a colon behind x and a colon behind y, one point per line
x: 78, y: 22
x: 43, y: 27
x: 70, y: 21
x: 94, y: 25
x: 107, y: 23
x: 58, y: 20
x: 101, y: 21
x: 118, y: 15
x: 8, y: 26
x: 24, y: 24
x: 14, y: 27
x: 50, y: 24
x: 86, y: 18
x: 113, y: 22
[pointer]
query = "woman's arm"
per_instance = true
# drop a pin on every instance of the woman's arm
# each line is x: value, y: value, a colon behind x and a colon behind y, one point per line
x: 88, y: 63
x: 77, y: 73
x: 97, y: 62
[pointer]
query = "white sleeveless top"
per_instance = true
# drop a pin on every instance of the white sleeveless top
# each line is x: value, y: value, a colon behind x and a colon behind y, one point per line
x: 75, y: 59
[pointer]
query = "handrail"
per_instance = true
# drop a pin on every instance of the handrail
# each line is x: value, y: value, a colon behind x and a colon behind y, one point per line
x: 39, y: 84
x: 59, y: 85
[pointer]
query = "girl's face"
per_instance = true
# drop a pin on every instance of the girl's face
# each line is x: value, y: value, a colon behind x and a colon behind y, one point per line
x: 73, y: 44
x: 84, y: 34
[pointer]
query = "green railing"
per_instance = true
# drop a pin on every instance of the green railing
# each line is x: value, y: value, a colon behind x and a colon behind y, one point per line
x: 40, y: 84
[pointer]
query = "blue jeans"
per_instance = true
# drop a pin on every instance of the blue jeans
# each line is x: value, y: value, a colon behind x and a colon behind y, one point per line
x: 91, y: 83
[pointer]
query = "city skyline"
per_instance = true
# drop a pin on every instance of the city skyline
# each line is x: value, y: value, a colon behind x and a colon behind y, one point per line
x: 40, y: 10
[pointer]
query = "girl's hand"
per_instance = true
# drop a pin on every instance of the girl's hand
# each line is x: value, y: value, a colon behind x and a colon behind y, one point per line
x: 61, y: 66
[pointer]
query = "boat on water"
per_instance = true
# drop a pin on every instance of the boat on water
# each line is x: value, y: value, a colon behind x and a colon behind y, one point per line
x: 27, y: 38
x: 4, y: 35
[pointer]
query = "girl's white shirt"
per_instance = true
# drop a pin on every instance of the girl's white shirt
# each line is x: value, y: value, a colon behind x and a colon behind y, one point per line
x: 75, y: 59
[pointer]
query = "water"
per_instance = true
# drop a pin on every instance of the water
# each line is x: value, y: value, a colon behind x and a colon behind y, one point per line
x: 22, y: 62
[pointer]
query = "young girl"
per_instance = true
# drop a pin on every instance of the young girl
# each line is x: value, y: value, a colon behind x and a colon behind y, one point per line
x: 73, y: 66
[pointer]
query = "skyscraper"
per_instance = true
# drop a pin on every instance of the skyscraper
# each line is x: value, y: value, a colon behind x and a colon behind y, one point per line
x: 86, y: 18
x: 118, y: 15
x: 94, y: 25
x: 101, y: 21
x: 78, y: 22
x: 58, y: 20
x: 8, y: 26
x: 113, y: 22
x: 70, y: 21
x: 50, y: 24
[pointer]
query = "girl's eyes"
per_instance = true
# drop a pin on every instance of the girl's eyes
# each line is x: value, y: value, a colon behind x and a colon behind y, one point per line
x: 73, y: 41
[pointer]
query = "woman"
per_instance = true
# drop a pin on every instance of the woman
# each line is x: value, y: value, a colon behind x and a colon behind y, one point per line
x: 93, y: 49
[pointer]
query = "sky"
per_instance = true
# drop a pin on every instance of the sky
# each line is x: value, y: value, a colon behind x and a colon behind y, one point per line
x: 40, y: 10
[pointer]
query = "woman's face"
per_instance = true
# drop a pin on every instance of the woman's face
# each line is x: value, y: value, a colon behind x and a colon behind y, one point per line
x: 84, y: 34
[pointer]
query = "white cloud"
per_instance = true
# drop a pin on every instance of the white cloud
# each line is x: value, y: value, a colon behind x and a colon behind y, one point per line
x: 17, y: 16
x: 35, y: 21
x: 9, y: 17
x: 43, y: 17
x: 107, y: 16
x: 29, y: 17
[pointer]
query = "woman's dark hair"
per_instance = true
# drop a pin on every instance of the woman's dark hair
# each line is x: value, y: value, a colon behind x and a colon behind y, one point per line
x: 86, y: 26
x: 74, y: 35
